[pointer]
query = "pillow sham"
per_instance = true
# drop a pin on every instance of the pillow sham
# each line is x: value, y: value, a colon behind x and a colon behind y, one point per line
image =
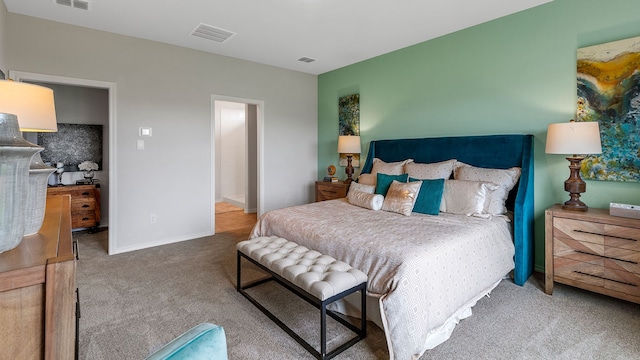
x: 506, y: 179
x: 429, y: 197
x: 389, y: 168
x: 367, y: 179
x: 439, y: 170
x: 369, y: 189
x: 383, y: 181
x: 466, y: 197
x: 365, y: 200
x: 401, y: 197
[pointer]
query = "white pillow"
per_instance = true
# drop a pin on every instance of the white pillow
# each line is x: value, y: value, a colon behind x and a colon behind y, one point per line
x: 392, y: 168
x: 365, y: 200
x: 466, y: 197
x: 369, y: 189
x: 439, y: 170
x: 401, y: 197
x: 506, y: 179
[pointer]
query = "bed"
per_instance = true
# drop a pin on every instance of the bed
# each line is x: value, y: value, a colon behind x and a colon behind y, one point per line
x: 425, y: 272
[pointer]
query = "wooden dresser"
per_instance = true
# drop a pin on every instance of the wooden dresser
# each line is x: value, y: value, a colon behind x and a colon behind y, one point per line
x: 594, y: 251
x: 38, y: 290
x: 330, y: 190
x: 85, y: 204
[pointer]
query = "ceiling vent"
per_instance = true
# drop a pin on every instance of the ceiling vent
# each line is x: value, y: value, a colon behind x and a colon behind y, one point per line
x: 212, y: 33
x: 76, y: 4
x: 307, y: 59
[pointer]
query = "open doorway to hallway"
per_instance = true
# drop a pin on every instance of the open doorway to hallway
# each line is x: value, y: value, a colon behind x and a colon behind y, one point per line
x: 236, y: 153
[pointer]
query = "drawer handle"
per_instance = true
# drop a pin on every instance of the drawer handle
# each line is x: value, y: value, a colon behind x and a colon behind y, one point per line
x: 85, y: 206
x: 604, y: 278
x: 330, y: 191
x: 606, y: 257
x: 86, y: 193
x: 83, y: 219
x: 611, y: 236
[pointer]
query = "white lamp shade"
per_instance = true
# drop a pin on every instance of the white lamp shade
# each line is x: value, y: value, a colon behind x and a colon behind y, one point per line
x: 574, y: 138
x: 349, y: 144
x: 32, y: 104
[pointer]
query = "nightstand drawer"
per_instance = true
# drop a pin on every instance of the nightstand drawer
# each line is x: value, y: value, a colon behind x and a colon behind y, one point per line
x: 578, y: 230
x: 331, y: 190
x: 607, y: 256
x: 622, y: 237
x: 622, y: 281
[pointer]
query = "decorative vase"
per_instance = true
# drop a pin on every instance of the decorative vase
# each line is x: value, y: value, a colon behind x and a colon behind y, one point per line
x: 15, y: 156
x: 37, y: 195
x: 88, y: 176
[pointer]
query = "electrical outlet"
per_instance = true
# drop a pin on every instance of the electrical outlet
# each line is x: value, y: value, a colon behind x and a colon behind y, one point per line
x: 153, y: 218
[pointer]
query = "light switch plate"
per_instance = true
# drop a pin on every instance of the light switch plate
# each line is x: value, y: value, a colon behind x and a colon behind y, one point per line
x: 140, y: 144
x: 145, y: 131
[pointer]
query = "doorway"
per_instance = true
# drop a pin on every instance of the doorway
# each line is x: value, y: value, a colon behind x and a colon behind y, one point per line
x: 236, y: 139
x: 108, y: 185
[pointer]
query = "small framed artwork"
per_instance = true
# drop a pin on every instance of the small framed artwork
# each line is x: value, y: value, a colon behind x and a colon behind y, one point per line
x: 349, y: 115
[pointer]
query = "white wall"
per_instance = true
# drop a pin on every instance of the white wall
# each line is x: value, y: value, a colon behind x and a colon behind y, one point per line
x: 232, y: 151
x: 169, y: 89
x: 3, y: 37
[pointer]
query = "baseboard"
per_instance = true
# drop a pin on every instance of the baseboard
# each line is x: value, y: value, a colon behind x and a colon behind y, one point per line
x: 158, y: 243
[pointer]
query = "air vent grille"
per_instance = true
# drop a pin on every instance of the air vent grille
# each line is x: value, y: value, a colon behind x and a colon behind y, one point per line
x: 212, y: 33
x: 306, y: 59
x: 76, y: 4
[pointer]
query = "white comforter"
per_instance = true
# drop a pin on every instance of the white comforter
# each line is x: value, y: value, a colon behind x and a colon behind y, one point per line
x: 424, y: 269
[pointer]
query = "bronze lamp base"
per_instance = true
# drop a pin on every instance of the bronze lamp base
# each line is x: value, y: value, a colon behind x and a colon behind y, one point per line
x: 575, y: 186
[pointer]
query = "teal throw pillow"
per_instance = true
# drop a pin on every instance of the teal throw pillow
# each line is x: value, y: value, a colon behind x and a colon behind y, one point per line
x: 429, y: 197
x: 383, y: 182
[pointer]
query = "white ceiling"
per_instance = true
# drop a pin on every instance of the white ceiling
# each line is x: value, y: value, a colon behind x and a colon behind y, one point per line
x: 279, y: 32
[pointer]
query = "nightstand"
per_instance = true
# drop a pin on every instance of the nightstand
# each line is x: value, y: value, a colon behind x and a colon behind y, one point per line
x: 594, y: 251
x: 330, y: 190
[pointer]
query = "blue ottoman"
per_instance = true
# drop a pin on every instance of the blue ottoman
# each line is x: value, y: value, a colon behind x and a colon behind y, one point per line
x: 202, y: 342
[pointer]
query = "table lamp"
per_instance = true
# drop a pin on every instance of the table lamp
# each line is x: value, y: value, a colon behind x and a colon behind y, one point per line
x: 32, y: 108
x: 577, y: 138
x: 349, y: 145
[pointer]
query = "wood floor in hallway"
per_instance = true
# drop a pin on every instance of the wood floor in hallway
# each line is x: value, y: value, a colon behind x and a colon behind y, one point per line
x: 230, y: 218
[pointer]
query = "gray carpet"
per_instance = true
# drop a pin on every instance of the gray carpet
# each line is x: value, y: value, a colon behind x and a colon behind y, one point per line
x: 133, y: 303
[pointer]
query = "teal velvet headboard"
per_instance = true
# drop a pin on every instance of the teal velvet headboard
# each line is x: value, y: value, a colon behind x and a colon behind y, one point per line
x: 490, y: 151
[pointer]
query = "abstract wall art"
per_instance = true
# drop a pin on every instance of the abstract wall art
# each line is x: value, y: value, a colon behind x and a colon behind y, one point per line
x: 349, y: 123
x: 609, y: 93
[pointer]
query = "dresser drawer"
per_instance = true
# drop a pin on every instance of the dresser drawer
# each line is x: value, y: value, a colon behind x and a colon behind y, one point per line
x: 82, y: 219
x: 83, y: 204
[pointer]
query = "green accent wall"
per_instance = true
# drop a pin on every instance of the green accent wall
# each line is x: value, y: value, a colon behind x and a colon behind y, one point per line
x: 516, y: 74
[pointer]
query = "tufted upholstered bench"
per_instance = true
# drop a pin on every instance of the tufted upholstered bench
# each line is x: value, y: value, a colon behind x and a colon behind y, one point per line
x: 319, y: 279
